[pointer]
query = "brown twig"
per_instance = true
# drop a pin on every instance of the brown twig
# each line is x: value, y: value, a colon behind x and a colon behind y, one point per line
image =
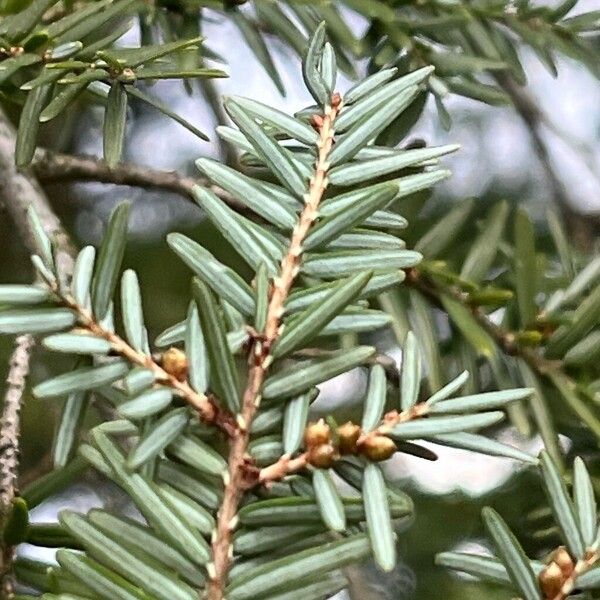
x: 50, y: 167
x: 239, y: 474
x: 18, y: 192
x: 10, y: 421
x: 10, y: 430
x: 208, y: 410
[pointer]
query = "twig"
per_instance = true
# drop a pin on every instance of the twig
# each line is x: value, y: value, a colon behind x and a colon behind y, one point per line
x: 50, y: 167
x: 239, y: 472
x: 10, y: 430
x: 18, y: 191
x: 505, y: 339
x: 208, y: 410
x: 10, y: 421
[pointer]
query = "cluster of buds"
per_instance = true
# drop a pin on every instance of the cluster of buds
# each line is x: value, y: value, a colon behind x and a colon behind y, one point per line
x: 556, y: 573
x: 175, y: 363
x: 323, y: 448
x: 12, y: 51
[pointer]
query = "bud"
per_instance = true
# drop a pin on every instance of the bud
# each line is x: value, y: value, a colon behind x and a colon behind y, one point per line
x: 377, y: 447
x: 127, y: 75
x: 551, y: 580
x: 175, y: 363
x: 322, y: 456
x: 316, y: 434
x: 490, y: 297
x: 316, y: 121
x: 563, y: 559
x: 530, y: 337
x: 348, y: 435
x: 336, y: 100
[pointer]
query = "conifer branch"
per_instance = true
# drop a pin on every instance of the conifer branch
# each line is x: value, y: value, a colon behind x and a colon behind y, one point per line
x: 208, y: 410
x: 10, y: 429
x: 260, y: 357
x: 505, y: 339
x: 50, y: 167
x: 17, y: 193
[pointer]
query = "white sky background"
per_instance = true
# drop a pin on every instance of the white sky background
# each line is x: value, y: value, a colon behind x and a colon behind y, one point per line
x: 500, y: 149
x: 495, y: 143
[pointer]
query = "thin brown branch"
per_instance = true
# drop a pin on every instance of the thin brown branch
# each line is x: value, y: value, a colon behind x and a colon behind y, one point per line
x: 505, y: 339
x: 208, y: 410
x: 19, y: 191
x: 260, y: 357
x: 52, y: 167
x: 286, y: 465
x: 10, y: 430
x: 10, y: 422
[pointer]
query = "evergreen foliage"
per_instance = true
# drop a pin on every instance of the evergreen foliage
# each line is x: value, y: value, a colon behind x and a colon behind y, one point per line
x: 240, y: 495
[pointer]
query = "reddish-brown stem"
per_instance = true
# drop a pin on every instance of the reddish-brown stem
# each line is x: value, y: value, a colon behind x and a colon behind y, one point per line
x: 241, y: 473
x: 208, y: 410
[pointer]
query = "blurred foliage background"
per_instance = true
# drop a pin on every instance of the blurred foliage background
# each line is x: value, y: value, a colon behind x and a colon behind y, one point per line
x: 498, y: 160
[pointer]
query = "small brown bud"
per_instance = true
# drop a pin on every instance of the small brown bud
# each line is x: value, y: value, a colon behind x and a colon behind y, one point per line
x: 316, y: 121
x: 336, y: 100
x: 348, y: 435
x: 175, y: 363
x: 322, y: 456
x: 563, y: 559
x: 316, y: 434
x: 391, y: 418
x: 377, y: 447
x: 551, y: 580
x: 127, y: 75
